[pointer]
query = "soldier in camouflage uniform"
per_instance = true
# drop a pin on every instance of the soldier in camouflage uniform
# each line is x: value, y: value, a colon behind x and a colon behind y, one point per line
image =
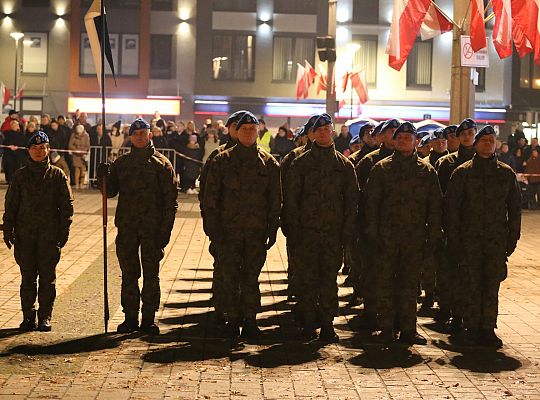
x: 147, y: 189
x: 403, y: 212
x: 38, y: 214
x: 364, y: 136
x: 218, y: 296
x: 424, y: 145
x: 242, y: 205
x: 453, y: 140
x: 292, y: 271
x: 320, y: 205
x: 483, y: 224
x: 439, y: 146
x: 448, y: 284
x: 363, y: 169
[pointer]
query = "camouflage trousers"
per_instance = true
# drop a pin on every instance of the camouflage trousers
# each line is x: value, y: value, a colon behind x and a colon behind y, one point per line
x: 217, y: 280
x: 428, y: 270
x: 353, y: 260
x: 37, y: 260
x: 128, y: 244
x: 320, y: 258
x: 368, y: 280
x: 482, y: 274
x: 397, y: 285
x: 292, y: 269
x: 241, y: 256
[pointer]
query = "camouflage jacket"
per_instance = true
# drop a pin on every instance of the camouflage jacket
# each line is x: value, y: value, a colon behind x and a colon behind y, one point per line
x: 364, y: 166
x: 447, y: 164
x: 403, y: 201
x: 483, y: 206
x: 364, y: 151
x: 243, y: 192
x: 39, y: 202
x: 147, y: 190
x: 434, y: 157
x: 204, y: 170
x: 284, y: 169
x: 321, y: 193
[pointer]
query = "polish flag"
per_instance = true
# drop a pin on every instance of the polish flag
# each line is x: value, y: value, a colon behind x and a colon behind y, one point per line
x: 345, y: 81
x: 302, y: 82
x: 435, y: 23
x: 534, y: 30
x: 502, y: 31
x: 478, y: 26
x: 4, y: 92
x: 359, y: 83
x: 20, y: 92
x: 321, y: 79
x: 310, y: 71
x: 406, y: 20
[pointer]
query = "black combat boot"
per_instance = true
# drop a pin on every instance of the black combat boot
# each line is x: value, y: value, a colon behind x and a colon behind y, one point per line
x: 308, y: 331
x: 427, y: 303
x: 29, y: 322
x: 385, y: 336
x: 148, y: 325
x: 233, y: 328
x: 130, y: 324
x: 443, y: 315
x: 44, y: 324
x: 220, y: 318
x: 250, y: 330
x: 412, y: 337
x: 471, y: 337
x: 328, y: 334
x: 490, y: 338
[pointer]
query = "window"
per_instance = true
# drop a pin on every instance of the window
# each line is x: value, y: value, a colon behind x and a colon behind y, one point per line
x: 295, y: 7
x: 366, y: 57
x: 233, y: 57
x: 419, y: 66
x: 366, y: 12
x: 529, y: 76
x: 162, y: 55
x: 481, y: 87
x: 125, y: 54
x: 36, y: 3
x: 288, y: 51
x: 163, y: 5
x: 235, y: 5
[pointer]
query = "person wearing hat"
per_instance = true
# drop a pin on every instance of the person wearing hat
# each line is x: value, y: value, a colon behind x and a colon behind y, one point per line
x: 37, y: 217
x: 218, y: 296
x: 403, y: 212
x: 439, y: 146
x: 293, y: 282
x: 80, y: 142
x: 362, y: 144
x: 483, y: 224
x: 13, y: 115
x: 320, y: 206
x: 424, y: 145
x: 147, y: 189
x: 242, y: 205
x: 453, y: 140
x: 448, y: 287
x: 385, y: 134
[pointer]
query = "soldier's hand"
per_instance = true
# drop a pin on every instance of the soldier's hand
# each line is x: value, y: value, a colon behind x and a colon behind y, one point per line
x: 271, y: 240
x: 9, y: 240
x: 61, y: 242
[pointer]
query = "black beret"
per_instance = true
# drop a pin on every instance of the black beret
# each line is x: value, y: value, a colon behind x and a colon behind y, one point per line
x: 355, y: 140
x: 486, y: 130
x: 391, y: 123
x: 450, y: 130
x: 139, y: 123
x: 234, y: 117
x: 440, y: 133
x: 406, y: 127
x: 323, y: 120
x: 247, y: 118
x: 467, y: 123
x: 424, y: 141
x: 309, y: 123
x: 299, y: 133
x: 365, y: 127
x: 377, y: 129
x: 37, y: 138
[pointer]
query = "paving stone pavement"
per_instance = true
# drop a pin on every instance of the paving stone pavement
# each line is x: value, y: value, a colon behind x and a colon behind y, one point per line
x: 189, y: 361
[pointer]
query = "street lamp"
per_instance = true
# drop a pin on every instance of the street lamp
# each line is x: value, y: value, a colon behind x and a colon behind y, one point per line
x: 17, y: 36
x: 352, y: 49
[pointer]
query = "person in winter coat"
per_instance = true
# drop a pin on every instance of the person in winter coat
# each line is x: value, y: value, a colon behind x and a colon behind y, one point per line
x: 281, y: 145
x: 532, y: 167
x: 160, y: 141
x: 117, y: 139
x: 211, y: 143
x: 80, y: 142
x: 192, y: 166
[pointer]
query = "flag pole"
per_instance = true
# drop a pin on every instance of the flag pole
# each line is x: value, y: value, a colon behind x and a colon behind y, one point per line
x: 104, y: 160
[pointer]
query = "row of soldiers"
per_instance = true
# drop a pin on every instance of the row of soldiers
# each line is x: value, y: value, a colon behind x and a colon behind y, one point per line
x: 382, y: 208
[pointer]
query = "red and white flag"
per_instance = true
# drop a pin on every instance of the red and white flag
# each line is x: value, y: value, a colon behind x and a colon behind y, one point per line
x: 4, y: 92
x: 310, y: 71
x: 359, y: 83
x: 535, y: 29
x: 435, y: 23
x: 478, y: 26
x: 502, y: 30
x: 321, y: 79
x: 406, y: 20
x: 20, y: 92
x: 301, y: 82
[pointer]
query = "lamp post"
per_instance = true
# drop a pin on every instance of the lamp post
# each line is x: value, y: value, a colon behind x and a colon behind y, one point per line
x: 352, y: 48
x: 17, y: 36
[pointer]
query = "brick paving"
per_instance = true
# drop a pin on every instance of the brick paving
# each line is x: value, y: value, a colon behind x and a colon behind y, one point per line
x: 189, y: 361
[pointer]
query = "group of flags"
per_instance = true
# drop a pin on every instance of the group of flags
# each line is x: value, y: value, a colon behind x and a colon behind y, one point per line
x: 516, y: 22
x: 307, y: 76
x: 5, y: 93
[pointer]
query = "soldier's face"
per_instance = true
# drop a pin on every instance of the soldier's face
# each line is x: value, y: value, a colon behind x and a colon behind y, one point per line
x: 453, y: 142
x: 486, y: 145
x: 140, y: 138
x: 388, y: 138
x: 39, y: 152
x: 405, y: 143
x: 232, y: 131
x: 440, y: 145
x: 324, y: 135
x: 247, y: 134
x: 466, y: 137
